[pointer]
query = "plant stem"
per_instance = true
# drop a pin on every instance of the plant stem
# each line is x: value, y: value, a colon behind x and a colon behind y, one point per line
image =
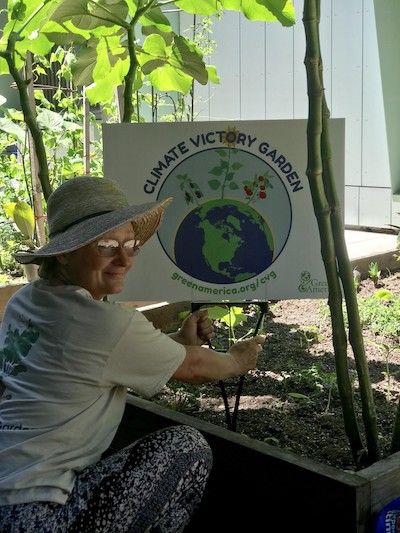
x: 319, y: 173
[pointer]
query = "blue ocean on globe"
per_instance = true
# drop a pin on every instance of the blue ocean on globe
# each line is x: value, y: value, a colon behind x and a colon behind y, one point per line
x: 223, y: 241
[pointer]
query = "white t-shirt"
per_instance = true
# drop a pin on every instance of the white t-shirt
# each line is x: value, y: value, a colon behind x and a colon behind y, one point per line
x: 66, y: 361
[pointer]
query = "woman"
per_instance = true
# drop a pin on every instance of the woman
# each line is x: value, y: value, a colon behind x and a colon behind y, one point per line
x: 68, y: 356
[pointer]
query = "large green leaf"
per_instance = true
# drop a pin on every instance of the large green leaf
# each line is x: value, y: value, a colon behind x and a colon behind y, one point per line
x: 167, y: 78
x: 153, y: 30
x: 154, y: 46
x: 155, y: 17
x: 22, y: 214
x: 187, y: 57
x: 231, y: 317
x: 64, y: 33
x: 184, y: 58
x: 12, y: 129
x: 98, y: 58
x: 199, y: 7
x: 266, y: 10
x: 103, y: 89
x: 49, y: 120
x: 78, y: 13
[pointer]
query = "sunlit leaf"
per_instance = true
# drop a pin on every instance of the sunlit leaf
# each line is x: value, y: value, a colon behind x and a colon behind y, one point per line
x: 168, y: 78
x: 12, y: 129
x: 265, y: 10
x: 22, y: 214
x: 155, y: 17
x: 212, y: 74
x: 104, y: 88
x: 199, y: 7
x: 383, y: 294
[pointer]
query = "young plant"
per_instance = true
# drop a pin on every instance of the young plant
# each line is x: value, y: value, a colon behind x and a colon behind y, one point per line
x: 230, y: 317
x: 374, y: 273
x: 309, y: 334
x: 318, y: 379
x: 387, y: 350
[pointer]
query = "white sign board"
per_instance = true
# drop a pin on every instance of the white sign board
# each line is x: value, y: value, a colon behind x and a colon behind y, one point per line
x: 241, y: 225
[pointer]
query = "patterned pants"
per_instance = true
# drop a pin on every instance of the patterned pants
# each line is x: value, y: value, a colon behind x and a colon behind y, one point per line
x: 153, y: 485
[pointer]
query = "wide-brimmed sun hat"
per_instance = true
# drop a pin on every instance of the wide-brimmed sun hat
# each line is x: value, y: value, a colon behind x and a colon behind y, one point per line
x: 84, y: 208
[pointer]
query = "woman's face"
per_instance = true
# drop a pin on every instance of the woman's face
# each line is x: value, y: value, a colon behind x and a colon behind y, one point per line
x: 100, y: 274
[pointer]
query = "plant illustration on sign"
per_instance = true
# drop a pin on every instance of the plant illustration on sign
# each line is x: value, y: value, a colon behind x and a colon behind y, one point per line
x: 224, y: 175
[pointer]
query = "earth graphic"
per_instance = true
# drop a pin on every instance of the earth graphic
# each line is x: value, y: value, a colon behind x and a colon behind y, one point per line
x: 228, y: 242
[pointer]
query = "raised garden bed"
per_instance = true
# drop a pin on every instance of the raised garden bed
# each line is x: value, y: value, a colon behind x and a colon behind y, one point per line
x: 257, y: 487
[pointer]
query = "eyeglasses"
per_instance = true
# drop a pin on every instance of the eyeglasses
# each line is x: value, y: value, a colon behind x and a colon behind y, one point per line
x: 110, y: 247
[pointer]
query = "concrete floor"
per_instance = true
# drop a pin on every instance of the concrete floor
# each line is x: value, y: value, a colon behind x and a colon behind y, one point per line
x: 365, y: 247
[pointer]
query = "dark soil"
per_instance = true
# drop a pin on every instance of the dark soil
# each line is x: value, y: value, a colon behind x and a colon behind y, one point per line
x: 291, y: 400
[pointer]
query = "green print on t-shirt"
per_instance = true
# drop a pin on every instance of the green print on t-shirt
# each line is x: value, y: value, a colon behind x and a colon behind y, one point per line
x: 16, y: 348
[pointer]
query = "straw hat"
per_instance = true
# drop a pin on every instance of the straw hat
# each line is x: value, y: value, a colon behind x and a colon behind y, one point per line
x: 85, y: 208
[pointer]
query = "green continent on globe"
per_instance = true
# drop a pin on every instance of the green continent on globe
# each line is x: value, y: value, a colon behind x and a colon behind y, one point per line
x: 223, y: 241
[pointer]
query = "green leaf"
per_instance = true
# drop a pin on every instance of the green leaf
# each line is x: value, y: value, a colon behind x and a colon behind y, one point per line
x: 12, y: 129
x: 18, y: 11
x: 64, y: 33
x: 78, y: 13
x: 22, y: 214
x: 265, y: 10
x: 9, y: 209
x: 217, y: 171
x: 187, y: 57
x: 49, y: 120
x: 154, y: 46
x: 107, y: 78
x: 383, y: 294
x: 168, y: 78
x: 155, y: 17
x: 82, y: 68
x: 212, y: 74
x: 199, y: 7
x: 216, y: 312
x: 298, y: 395
x: 231, y: 316
x: 214, y: 184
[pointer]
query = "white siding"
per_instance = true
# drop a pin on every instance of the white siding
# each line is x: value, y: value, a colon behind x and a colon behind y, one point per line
x: 262, y: 73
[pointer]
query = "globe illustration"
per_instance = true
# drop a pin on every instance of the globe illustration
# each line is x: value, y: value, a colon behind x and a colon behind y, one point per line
x: 223, y: 241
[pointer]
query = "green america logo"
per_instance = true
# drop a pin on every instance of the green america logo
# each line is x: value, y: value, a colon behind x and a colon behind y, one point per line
x: 308, y: 284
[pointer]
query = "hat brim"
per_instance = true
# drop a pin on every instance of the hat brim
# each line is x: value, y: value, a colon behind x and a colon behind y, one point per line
x: 145, y: 218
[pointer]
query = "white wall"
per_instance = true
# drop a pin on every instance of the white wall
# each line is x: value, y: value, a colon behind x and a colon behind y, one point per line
x: 262, y: 72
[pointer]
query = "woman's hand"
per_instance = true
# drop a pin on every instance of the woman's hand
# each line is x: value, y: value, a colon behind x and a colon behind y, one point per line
x: 196, y: 329
x: 246, y: 353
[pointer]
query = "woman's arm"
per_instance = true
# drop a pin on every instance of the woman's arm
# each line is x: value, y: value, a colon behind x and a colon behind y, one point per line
x: 204, y: 364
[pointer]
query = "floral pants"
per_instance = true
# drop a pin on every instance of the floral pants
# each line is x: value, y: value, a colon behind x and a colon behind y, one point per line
x: 153, y: 485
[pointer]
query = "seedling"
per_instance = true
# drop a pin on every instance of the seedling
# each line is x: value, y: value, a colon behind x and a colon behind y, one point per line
x: 374, y: 272
x: 387, y: 350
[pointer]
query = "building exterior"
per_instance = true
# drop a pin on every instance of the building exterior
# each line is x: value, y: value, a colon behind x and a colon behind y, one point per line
x: 263, y: 77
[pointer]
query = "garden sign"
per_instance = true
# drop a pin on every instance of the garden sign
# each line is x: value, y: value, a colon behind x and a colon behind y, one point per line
x: 241, y: 225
